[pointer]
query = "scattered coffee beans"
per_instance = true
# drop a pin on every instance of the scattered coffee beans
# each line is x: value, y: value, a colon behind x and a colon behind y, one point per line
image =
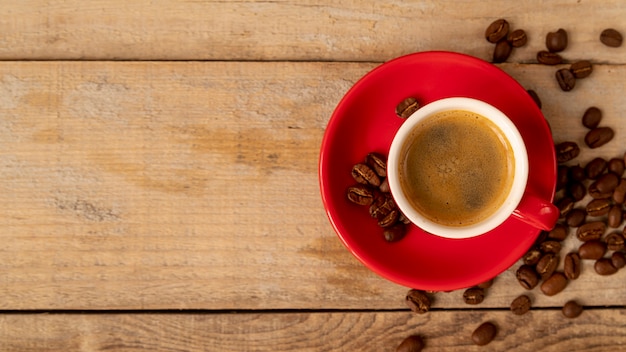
x: 604, y: 266
x: 556, y: 41
x: 615, y: 241
x: 559, y: 232
x: 611, y: 37
x: 617, y: 166
x: 484, y: 333
x: 581, y: 69
x: 598, y: 207
x: 517, y: 38
x: 377, y: 163
x: 527, y: 277
x: 521, y: 305
x: 474, y: 295
x: 547, y: 58
x: 595, y: 168
x: 591, y: 231
x: 575, y: 217
x: 497, y: 31
x: 502, y: 51
x: 418, y: 301
x: 554, y: 284
x: 547, y: 265
x: 361, y: 194
x: 566, y: 151
x: 532, y: 256
x: 598, y: 137
x: 618, y: 259
x: 615, y: 216
x: 485, y: 285
x: 594, y: 249
x: 592, y: 117
x: 571, y: 266
x: 407, y: 107
x: 566, y: 79
x: 395, y: 233
x: 413, y: 343
x: 572, y: 309
x: 365, y: 175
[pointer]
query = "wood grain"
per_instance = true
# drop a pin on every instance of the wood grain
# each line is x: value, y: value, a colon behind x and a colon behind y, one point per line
x: 327, y: 30
x: 538, y: 330
x: 140, y: 185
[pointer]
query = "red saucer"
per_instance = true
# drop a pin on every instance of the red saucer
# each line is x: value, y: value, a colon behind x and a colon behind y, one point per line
x: 365, y: 121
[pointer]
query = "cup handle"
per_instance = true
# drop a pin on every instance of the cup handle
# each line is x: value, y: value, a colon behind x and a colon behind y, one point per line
x: 537, y: 212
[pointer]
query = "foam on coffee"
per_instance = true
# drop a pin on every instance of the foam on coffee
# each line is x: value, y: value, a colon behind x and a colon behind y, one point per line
x: 457, y: 168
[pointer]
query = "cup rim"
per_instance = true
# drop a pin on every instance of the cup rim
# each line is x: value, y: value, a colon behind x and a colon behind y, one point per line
x: 516, y: 191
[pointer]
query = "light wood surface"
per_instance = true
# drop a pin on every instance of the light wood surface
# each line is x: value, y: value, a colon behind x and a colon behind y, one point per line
x: 176, y: 203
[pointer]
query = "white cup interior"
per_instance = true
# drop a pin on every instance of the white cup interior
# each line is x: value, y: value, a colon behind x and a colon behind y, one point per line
x: 520, y: 174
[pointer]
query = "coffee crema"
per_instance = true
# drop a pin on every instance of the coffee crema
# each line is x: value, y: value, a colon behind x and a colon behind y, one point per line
x: 456, y: 168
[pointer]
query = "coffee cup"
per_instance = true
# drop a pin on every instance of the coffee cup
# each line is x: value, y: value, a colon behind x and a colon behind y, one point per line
x: 458, y: 168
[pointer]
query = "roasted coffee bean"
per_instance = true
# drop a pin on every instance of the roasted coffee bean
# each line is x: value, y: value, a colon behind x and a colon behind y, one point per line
x: 527, y: 277
x: 550, y: 247
x: 365, y: 175
x: 599, y: 136
x: 615, y: 241
x: 484, y: 333
x: 577, y: 173
x: 592, y: 117
x: 382, y: 206
x: 532, y: 256
x: 403, y: 219
x: 413, y: 343
x: 389, y: 219
x: 547, y: 265
x: 497, y: 31
x: 571, y: 266
x: 521, y: 305
x: 547, y: 58
x: 485, y: 285
x: 604, y: 266
x: 576, y: 217
x: 395, y: 233
x: 377, y: 163
x: 595, y: 168
x: 562, y: 177
x: 596, y: 194
x: 566, y: 79
x: 619, y: 194
x: 566, y: 151
x: 535, y: 97
x: 517, y: 38
x: 418, y: 301
x: 577, y: 190
x: 565, y: 205
x: 611, y: 37
x: 606, y: 183
x: 559, y: 232
x: 554, y: 284
x: 617, y: 166
x: 591, y: 231
x: 384, y: 186
x: 361, y: 194
x: 556, y: 41
x: 594, y: 249
x: 571, y: 309
x: 474, y: 295
x: 598, y: 207
x: 616, y: 216
x: 502, y: 51
x: 618, y: 259
x: 581, y: 69
x: 407, y: 107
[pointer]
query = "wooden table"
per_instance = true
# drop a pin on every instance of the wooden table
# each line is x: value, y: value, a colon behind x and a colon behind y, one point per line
x: 159, y: 174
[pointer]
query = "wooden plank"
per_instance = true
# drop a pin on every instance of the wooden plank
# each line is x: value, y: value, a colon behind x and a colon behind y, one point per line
x: 541, y: 330
x: 346, y: 30
x: 139, y: 185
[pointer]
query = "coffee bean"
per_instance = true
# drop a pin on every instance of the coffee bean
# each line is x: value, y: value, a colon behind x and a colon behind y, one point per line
x: 389, y: 219
x: 616, y: 216
x: 619, y: 194
x: 577, y: 173
x: 571, y: 266
x: 502, y: 51
x: 592, y: 117
x: 596, y: 194
x: 562, y: 177
x: 517, y: 38
x: 532, y: 256
x: 521, y: 305
x: 604, y: 266
x: 484, y: 333
x: 548, y: 58
x: 598, y: 207
x: 593, y: 249
x: 566, y: 79
x: 556, y: 41
x: 395, y: 233
x: 606, y: 183
x: 599, y: 136
x: 577, y: 190
x: 361, y: 194
x: 550, y: 247
x: 595, y: 168
x: 418, y: 301
x: 559, y: 232
x: 535, y: 97
x: 565, y: 205
x: 365, y: 175
x: 527, y: 277
x: 485, y: 285
x: 571, y: 309
x: 413, y: 343
x: 576, y: 217
x: 407, y: 107
x: 617, y: 166
x: 611, y: 37
x: 382, y: 206
x: 581, y: 69
x: 554, y: 284
x: 384, y: 186
x: 618, y: 259
x: 615, y: 241
x: 497, y: 31
x: 474, y: 295
x: 591, y: 231
x: 547, y: 265
x: 566, y: 151
x: 377, y: 163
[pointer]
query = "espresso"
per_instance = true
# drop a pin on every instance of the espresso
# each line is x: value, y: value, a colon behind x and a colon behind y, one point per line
x: 457, y: 168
